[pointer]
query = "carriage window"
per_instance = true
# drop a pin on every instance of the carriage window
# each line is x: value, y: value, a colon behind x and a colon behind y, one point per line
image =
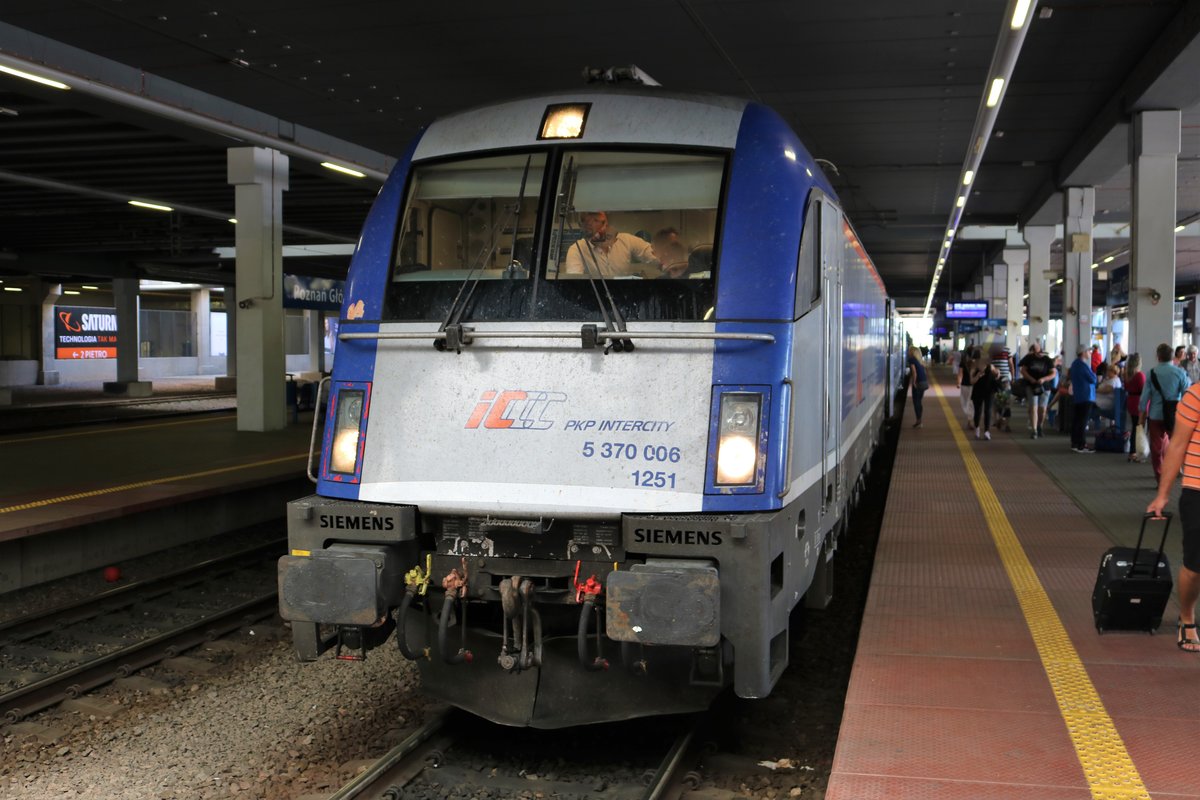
x: 808, y: 266
x: 636, y: 215
x: 470, y: 216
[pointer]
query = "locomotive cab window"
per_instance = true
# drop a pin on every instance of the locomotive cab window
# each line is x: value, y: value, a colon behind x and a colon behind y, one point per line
x: 470, y: 215
x: 643, y: 222
x: 636, y: 215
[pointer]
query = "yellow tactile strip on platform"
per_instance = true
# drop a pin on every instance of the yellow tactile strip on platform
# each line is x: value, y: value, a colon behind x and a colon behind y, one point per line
x: 1106, y: 763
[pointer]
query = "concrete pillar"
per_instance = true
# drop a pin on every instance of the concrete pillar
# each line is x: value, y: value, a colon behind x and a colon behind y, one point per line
x: 201, y: 348
x: 48, y: 374
x: 125, y: 299
x: 260, y: 177
x: 316, y: 340
x: 1016, y: 256
x: 228, y: 381
x: 1154, y: 151
x: 1039, y: 238
x: 1079, y: 209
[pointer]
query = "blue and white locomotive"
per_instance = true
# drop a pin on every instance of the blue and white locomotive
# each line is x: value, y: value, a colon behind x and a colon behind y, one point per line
x: 578, y: 479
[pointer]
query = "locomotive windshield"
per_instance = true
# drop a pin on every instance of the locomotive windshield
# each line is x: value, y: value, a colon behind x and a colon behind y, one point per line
x: 527, y: 231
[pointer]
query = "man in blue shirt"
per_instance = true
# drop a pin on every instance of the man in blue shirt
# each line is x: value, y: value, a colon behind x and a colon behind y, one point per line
x: 1083, y: 392
x: 1165, y: 382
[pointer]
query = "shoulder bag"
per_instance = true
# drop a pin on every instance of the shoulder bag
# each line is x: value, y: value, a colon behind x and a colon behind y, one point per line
x: 1168, y: 405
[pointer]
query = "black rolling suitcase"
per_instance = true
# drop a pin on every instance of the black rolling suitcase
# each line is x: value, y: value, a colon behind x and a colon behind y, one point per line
x: 1133, y: 585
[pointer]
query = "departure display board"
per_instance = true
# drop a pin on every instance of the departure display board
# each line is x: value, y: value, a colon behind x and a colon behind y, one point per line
x: 977, y: 309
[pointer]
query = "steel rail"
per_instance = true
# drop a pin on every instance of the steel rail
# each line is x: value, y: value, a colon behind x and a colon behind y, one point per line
x: 53, y: 689
x: 384, y: 770
x: 55, y: 618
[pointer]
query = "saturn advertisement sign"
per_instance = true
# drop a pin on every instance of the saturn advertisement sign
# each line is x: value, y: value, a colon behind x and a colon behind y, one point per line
x: 85, y: 332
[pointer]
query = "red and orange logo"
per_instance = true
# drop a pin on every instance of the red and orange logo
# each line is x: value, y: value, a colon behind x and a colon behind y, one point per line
x: 515, y: 409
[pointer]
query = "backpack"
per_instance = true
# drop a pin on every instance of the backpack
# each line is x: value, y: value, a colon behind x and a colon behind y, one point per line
x: 1168, y: 406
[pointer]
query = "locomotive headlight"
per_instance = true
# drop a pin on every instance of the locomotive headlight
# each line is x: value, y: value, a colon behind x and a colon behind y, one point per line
x: 343, y: 455
x: 737, y: 438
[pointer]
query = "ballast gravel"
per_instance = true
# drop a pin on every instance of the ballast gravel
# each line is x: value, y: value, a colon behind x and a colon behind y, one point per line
x: 265, y: 726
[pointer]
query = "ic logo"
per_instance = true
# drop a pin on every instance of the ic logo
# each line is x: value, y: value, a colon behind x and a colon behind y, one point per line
x: 515, y: 409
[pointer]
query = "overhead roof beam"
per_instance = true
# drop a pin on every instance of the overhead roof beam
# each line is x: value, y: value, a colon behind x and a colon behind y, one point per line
x: 1165, y: 78
x: 136, y: 89
x: 88, y: 191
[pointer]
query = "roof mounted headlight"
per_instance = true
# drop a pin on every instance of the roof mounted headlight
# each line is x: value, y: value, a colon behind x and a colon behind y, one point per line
x: 564, y: 121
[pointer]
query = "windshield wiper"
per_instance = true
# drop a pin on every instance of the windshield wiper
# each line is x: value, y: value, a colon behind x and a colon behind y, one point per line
x: 515, y: 268
x: 452, y: 324
x: 615, y: 322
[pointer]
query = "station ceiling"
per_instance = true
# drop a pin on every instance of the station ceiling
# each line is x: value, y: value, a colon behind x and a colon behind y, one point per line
x: 887, y: 92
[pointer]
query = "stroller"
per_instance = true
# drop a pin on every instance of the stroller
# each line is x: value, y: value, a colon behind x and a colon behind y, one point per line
x: 1002, y: 407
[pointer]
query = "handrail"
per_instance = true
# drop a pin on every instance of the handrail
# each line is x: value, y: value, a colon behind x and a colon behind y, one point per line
x: 312, y: 442
x: 470, y: 335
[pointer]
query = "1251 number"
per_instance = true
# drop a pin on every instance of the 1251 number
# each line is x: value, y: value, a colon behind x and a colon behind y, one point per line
x: 653, y: 480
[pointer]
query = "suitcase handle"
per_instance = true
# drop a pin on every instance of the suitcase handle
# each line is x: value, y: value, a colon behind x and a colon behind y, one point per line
x: 1166, y: 518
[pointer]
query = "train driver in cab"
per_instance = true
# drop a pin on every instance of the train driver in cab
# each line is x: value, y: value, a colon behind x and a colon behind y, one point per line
x: 604, y: 252
x: 672, y: 253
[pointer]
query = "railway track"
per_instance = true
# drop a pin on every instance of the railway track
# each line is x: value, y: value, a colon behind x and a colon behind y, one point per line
x: 62, y: 653
x: 429, y: 760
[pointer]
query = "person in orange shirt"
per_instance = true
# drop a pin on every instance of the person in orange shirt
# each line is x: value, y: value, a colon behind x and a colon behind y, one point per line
x: 1184, y: 453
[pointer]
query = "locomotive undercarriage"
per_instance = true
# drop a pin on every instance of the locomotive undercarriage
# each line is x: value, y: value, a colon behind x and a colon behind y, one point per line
x: 554, y: 623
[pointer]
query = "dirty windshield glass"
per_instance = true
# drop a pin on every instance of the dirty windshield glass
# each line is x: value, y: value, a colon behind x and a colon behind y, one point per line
x: 643, y: 222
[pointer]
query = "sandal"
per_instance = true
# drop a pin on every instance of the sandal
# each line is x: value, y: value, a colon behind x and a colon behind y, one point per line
x: 1186, y: 643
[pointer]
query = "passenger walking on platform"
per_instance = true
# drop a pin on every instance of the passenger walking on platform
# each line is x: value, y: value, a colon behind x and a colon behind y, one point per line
x: 1167, y: 385
x: 1083, y: 393
x: 1184, y: 453
x: 1037, y: 370
x: 985, y: 379
x: 1135, y: 381
x: 918, y: 379
x: 964, y: 386
x: 1097, y: 357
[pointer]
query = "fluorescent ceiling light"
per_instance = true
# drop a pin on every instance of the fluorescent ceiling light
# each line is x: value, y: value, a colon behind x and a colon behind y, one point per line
x: 950, y: 232
x: 344, y: 170
x: 31, y: 77
x: 94, y: 288
x: 1019, y: 14
x: 12, y: 288
x: 1108, y: 259
x: 70, y: 291
x: 994, y: 95
x: 962, y: 201
x: 152, y: 206
x: 1181, y: 298
x: 1060, y: 280
x: 1094, y: 266
x: 968, y: 176
x: 1179, y: 228
x: 232, y: 220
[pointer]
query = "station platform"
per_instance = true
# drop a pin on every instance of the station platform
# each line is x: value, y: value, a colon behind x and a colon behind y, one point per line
x: 85, y: 495
x: 979, y: 672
